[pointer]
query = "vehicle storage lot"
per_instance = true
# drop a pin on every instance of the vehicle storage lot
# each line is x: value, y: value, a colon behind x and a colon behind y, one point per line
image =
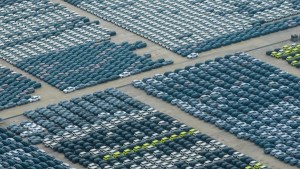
x: 256, y: 48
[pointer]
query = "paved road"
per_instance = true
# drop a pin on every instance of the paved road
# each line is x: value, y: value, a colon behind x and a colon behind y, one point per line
x: 245, y: 147
x: 51, y: 95
x: 256, y: 48
x: 242, y: 146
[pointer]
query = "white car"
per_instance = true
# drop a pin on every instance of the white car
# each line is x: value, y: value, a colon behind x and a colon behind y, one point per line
x: 57, y: 138
x: 47, y: 143
x: 69, y: 89
x: 124, y: 74
x: 82, y: 154
x: 34, y: 98
x: 25, y: 133
x: 192, y: 55
x: 92, y: 166
x: 238, y: 155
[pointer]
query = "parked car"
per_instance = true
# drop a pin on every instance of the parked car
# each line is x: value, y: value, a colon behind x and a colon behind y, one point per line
x: 69, y: 89
x: 34, y: 98
x: 192, y: 55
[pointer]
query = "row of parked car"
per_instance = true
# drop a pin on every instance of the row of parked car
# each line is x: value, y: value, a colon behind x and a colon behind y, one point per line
x: 64, y: 49
x: 16, y: 89
x: 194, y: 26
x: 32, y: 131
x: 33, y: 27
x: 18, y: 154
x: 289, y: 52
x: 239, y: 94
x: 90, y: 64
x: 109, y: 129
